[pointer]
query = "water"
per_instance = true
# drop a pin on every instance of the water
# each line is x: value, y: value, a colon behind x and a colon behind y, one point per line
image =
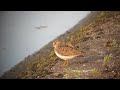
x: 24, y: 32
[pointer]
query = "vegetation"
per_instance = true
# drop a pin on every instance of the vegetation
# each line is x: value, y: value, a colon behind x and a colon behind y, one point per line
x: 73, y: 73
x: 107, y: 59
x: 96, y: 72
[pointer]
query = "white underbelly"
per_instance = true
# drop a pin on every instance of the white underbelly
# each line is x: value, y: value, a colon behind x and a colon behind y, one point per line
x: 65, y: 57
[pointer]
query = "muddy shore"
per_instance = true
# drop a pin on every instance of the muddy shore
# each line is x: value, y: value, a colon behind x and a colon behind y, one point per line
x: 97, y: 35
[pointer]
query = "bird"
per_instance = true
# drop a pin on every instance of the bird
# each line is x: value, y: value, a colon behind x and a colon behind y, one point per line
x: 66, y: 52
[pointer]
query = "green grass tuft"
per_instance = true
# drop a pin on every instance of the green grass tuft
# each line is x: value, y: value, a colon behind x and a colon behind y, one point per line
x: 107, y: 59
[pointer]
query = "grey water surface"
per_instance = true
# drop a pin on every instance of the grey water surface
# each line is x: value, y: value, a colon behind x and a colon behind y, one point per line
x: 24, y: 32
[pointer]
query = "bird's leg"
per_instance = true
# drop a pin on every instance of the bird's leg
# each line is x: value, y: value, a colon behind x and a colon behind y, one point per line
x: 65, y: 63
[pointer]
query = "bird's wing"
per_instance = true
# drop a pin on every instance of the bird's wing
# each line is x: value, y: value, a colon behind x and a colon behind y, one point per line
x: 67, y: 50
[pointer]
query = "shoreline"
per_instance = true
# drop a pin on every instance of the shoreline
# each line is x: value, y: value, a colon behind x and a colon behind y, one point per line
x: 27, y: 59
x: 92, y: 35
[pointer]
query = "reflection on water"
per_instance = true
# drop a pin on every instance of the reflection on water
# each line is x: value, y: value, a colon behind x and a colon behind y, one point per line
x: 22, y: 33
x: 41, y: 27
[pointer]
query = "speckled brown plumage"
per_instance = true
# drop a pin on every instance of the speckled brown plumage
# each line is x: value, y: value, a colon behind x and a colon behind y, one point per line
x: 65, y: 49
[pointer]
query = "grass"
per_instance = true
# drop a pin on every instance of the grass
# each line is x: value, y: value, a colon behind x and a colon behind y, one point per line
x: 80, y: 35
x: 66, y: 76
x: 77, y: 73
x: 96, y: 72
x: 74, y: 73
x: 115, y: 44
x: 107, y: 59
x: 38, y: 66
x: 111, y: 44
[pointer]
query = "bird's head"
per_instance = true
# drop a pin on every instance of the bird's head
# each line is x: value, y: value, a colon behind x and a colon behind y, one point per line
x: 56, y: 43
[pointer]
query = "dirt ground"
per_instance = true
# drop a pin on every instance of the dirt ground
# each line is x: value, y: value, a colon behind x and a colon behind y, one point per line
x: 99, y: 38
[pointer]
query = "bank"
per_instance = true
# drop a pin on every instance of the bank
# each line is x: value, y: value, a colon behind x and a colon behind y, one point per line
x: 97, y: 35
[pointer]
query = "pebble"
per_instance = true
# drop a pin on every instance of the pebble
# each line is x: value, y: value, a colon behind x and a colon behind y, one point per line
x: 113, y: 71
x: 38, y: 76
x: 56, y: 74
x: 84, y: 65
x: 52, y: 68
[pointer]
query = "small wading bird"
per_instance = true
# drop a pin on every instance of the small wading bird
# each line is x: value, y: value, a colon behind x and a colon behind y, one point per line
x: 65, y: 51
